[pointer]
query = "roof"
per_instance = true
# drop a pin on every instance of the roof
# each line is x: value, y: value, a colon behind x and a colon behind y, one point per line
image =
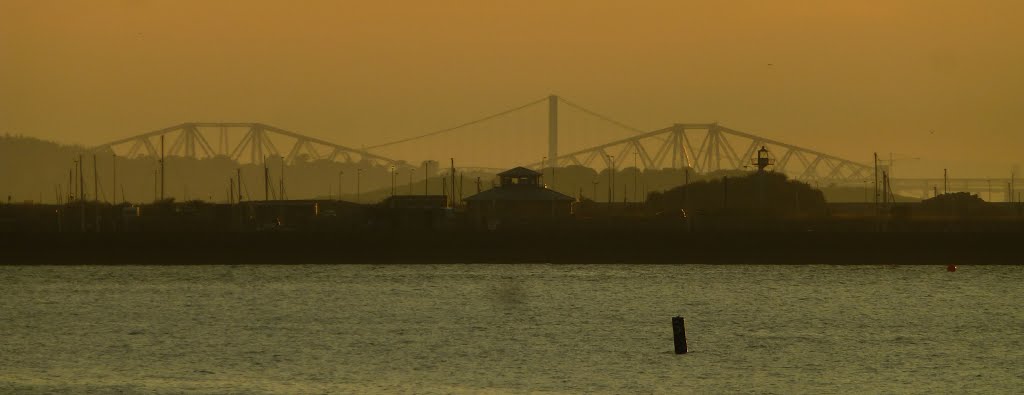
x: 519, y: 172
x: 519, y: 194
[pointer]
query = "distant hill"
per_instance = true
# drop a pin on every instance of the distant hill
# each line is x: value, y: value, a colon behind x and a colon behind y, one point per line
x: 765, y: 193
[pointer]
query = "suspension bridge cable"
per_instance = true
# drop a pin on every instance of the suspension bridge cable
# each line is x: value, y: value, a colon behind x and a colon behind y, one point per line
x: 607, y: 119
x: 489, y: 117
x: 602, y: 117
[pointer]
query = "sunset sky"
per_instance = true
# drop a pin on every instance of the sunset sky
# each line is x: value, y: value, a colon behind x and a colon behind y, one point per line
x: 940, y: 80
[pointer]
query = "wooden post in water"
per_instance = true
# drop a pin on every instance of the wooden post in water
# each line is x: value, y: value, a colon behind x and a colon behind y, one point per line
x: 679, y: 334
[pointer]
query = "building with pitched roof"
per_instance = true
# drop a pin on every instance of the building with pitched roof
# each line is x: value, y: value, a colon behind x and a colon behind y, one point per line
x: 519, y: 198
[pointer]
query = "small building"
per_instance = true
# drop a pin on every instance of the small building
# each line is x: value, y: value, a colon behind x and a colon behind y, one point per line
x: 415, y: 202
x: 408, y: 212
x: 519, y: 198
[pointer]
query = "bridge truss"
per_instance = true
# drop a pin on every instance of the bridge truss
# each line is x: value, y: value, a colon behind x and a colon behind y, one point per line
x: 700, y: 146
x: 710, y: 147
x: 242, y: 142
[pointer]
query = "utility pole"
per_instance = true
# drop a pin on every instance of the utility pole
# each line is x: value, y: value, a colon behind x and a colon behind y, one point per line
x: 411, y: 172
x: 81, y: 178
x: 542, y: 159
x: 426, y: 178
x: 875, y: 182
x: 686, y: 186
x: 611, y: 179
x: 95, y: 181
x: 113, y: 166
x: 945, y: 181
x: 340, y: 174
x: 885, y: 187
x: 453, y: 182
x: 162, y: 179
x: 1013, y: 184
x: 359, y: 173
x: 266, y: 180
x: 239, y: 173
x: 636, y: 175
x: 610, y: 187
x: 81, y: 190
x: 282, y: 179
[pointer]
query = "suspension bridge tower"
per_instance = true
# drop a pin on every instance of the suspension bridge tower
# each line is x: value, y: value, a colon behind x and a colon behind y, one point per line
x: 553, y: 129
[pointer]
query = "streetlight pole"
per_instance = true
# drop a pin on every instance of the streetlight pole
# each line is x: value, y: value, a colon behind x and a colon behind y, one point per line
x: 282, y: 178
x: 636, y: 175
x: 611, y: 178
x: 392, y: 180
x: 542, y: 160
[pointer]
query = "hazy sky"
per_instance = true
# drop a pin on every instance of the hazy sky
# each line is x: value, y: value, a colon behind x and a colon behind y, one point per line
x: 942, y: 80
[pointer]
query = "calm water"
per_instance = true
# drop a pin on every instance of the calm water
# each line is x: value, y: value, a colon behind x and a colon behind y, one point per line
x: 525, y: 328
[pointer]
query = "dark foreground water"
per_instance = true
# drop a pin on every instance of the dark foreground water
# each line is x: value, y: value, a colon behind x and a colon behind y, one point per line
x: 511, y: 328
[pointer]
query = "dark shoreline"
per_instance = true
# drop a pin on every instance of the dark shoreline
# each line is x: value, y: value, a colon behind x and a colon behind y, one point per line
x: 558, y: 247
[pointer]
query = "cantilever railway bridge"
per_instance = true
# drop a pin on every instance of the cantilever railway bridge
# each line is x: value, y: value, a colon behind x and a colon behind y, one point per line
x: 701, y: 146
x: 704, y: 147
x: 192, y: 140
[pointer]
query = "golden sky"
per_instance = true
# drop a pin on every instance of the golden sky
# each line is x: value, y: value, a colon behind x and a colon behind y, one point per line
x: 941, y: 80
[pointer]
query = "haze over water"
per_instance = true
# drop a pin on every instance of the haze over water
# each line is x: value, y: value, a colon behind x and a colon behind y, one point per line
x: 511, y: 328
x: 935, y: 79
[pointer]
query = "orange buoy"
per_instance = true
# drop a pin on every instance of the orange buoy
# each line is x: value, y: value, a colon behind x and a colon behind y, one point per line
x: 951, y: 268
